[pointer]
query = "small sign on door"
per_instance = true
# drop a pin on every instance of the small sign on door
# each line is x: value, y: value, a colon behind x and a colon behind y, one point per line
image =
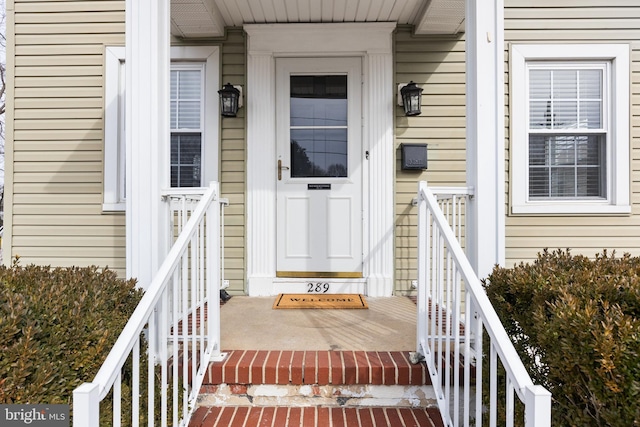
x: 318, y: 186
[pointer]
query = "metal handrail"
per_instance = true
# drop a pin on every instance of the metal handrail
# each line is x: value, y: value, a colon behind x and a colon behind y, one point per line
x: 156, y: 302
x: 447, y: 285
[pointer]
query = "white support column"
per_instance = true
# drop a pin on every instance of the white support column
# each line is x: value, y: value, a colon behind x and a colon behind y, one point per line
x: 485, y: 133
x: 378, y: 140
x: 147, y: 134
x: 261, y: 173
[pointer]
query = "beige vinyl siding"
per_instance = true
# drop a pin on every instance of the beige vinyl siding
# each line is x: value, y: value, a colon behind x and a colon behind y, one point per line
x: 437, y: 65
x: 568, y: 21
x: 55, y: 135
x: 232, y: 168
x: 232, y: 154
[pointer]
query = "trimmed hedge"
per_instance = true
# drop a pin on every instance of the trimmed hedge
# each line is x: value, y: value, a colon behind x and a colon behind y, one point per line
x: 575, y: 322
x: 57, y: 327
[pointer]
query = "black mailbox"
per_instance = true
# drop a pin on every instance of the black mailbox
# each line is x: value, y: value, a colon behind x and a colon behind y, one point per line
x: 414, y: 156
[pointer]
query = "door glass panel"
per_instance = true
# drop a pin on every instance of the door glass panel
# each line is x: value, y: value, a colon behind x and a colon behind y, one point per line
x: 318, y: 126
x: 319, y: 152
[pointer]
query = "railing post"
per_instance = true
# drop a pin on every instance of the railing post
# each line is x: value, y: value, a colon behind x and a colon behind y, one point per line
x: 537, y: 409
x: 213, y: 274
x: 423, y: 267
x: 86, y: 405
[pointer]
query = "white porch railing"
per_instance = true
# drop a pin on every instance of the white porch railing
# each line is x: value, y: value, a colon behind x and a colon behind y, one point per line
x: 453, y: 315
x: 452, y: 201
x: 182, y: 203
x: 162, y: 378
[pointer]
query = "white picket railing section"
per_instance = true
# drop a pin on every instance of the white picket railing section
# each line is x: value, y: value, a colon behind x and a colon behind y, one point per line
x: 453, y: 315
x: 452, y: 202
x: 182, y: 203
x: 159, y: 361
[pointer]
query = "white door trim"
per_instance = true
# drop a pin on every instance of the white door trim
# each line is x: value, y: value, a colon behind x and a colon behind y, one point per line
x: 373, y: 43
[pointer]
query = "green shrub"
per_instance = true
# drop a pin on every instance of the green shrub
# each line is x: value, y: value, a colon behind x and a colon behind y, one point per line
x: 575, y: 322
x: 57, y: 326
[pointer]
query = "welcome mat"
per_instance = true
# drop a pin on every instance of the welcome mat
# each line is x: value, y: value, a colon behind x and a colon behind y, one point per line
x: 320, y: 301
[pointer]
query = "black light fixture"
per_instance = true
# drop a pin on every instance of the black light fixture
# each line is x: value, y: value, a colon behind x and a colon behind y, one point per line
x: 411, y: 97
x: 229, y: 100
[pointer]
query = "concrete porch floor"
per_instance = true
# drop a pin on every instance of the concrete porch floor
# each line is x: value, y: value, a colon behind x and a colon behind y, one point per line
x: 250, y: 323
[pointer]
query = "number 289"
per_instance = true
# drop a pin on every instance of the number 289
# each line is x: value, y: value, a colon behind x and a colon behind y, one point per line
x: 317, y: 288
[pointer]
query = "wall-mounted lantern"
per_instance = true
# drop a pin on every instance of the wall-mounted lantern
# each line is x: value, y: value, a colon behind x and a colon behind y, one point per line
x: 230, y: 100
x: 411, y: 96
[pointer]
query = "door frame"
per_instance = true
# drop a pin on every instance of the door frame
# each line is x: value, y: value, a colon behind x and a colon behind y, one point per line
x: 373, y: 43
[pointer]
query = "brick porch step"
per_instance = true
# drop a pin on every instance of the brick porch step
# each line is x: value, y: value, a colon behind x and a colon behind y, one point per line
x: 316, y: 388
x: 244, y: 416
x: 317, y: 367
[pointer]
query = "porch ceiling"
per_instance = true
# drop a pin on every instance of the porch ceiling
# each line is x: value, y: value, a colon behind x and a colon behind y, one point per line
x: 207, y: 18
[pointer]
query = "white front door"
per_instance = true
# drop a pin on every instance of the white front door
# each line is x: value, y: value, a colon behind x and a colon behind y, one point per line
x: 319, y: 175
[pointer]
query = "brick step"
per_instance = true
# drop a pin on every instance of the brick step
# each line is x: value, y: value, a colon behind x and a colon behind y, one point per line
x: 317, y: 379
x: 317, y: 368
x: 244, y: 416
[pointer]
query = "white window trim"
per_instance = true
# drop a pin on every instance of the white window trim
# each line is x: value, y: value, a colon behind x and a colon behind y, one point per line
x: 210, y: 55
x: 114, y: 137
x: 114, y: 148
x: 618, y: 176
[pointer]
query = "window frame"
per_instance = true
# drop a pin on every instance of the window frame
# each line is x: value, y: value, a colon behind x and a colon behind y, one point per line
x: 114, y: 197
x: 616, y: 117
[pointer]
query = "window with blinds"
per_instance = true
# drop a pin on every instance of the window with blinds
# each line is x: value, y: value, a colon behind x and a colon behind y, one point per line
x: 569, y: 127
x: 567, y: 131
x: 186, y: 124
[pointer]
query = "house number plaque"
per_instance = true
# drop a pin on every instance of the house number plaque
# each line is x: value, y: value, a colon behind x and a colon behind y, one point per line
x: 317, y: 288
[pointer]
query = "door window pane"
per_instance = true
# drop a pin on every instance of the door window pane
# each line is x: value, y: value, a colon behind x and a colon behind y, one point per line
x: 318, y: 100
x: 318, y: 126
x: 319, y: 152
